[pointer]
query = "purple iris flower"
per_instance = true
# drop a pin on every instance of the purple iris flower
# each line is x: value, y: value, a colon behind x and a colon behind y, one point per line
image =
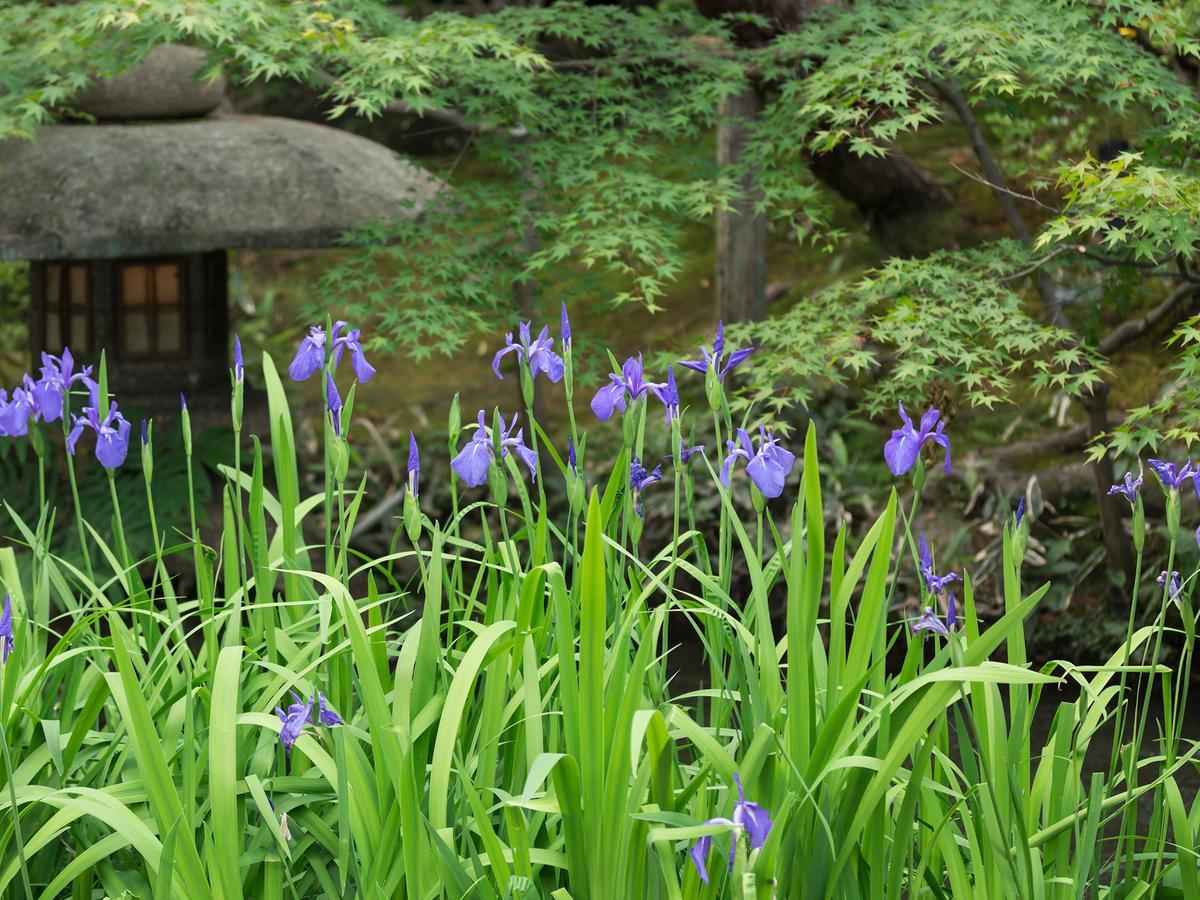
x: 904, y: 446
x: 767, y: 468
x: 630, y: 383
x: 640, y: 479
x: 474, y: 460
x: 294, y: 720
x: 310, y: 355
x: 717, y: 361
x: 145, y: 434
x: 7, y: 641
x: 239, y: 369
x: 414, y: 465
x: 747, y: 817
x: 929, y: 621
x: 1020, y: 511
x: 1129, y: 489
x: 322, y: 715
x: 58, y: 376
x: 934, y: 583
x: 686, y: 452
x: 112, y: 435
x: 564, y: 329
x: 538, y: 353
x: 572, y: 459
x: 669, y: 395
x: 333, y: 403
x: 15, y: 413
x: 325, y: 714
x: 1172, y: 478
x: 182, y: 402
x: 351, y: 341
x: 1176, y: 585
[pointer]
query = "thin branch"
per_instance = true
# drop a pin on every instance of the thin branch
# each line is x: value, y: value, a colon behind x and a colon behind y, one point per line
x: 953, y: 95
x: 1029, y: 198
x: 1132, y: 329
x: 451, y: 117
x: 1152, y: 268
x: 1035, y: 265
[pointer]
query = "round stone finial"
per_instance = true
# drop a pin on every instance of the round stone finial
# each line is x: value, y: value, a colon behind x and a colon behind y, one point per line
x: 164, y: 85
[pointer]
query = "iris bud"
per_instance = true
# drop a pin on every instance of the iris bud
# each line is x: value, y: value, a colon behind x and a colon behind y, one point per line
x: 918, y: 475
x: 497, y: 435
x: 412, y: 517
x: 527, y: 386
x: 497, y: 483
x: 629, y: 424
x: 236, y: 404
x: 341, y: 460
x: 1020, y: 536
x: 454, y: 424
x: 185, y: 421
x: 1173, y: 513
x: 714, y: 390
x: 36, y: 440
x: 1139, y: 524
x: 577, y: 493
x: 147, y: 452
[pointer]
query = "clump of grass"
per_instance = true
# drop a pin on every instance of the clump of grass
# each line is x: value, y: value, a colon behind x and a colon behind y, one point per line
x: 507, y: 723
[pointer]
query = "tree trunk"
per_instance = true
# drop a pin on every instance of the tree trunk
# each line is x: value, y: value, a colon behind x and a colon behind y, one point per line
x: 1116, y: 543
x: 741, y: 232
x: 882, y: 187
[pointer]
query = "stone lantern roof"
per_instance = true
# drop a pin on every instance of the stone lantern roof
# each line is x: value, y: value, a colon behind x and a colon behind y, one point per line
x: 246, y: 182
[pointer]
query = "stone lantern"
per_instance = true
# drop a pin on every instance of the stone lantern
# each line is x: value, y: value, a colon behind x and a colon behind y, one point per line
x: 127, y: 222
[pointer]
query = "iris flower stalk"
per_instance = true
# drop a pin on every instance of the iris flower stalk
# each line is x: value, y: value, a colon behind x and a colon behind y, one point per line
x: 1172, y: 481
x: 12, y: 792
x: 337, y: 463
x: 411, y: 512
x: 147, y: 450
x: 1131, y: 489
x: 236, y: 407
x: 204, y: 583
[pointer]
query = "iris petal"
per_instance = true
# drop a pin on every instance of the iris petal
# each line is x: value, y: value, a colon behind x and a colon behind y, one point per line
x: 699, y: 855
x: 309, y: 358
x: 363, y: 370
x: 900, y: 452
x: 607, y: 400
x: 472, y: 462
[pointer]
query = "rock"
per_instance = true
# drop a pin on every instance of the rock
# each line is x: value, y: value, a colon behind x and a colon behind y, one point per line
x: 164, y: 85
